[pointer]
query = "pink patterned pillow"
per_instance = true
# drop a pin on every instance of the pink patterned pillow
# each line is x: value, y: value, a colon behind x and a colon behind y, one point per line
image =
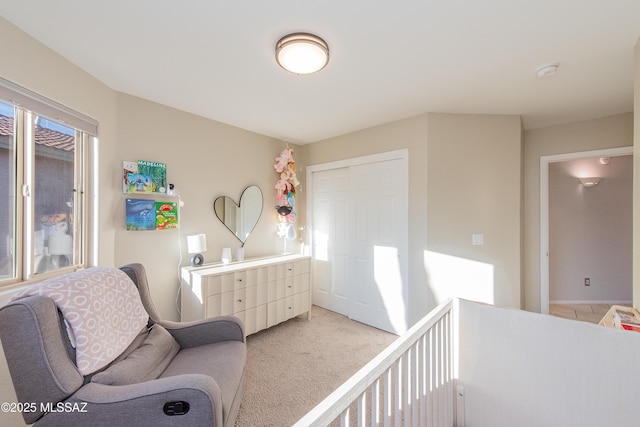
x: 102, y: 306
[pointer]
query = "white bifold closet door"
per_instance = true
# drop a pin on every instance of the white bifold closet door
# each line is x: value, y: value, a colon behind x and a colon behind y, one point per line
x: 359, y: 220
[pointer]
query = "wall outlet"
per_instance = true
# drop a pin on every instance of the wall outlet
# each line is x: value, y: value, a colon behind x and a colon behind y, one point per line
x: 477, y: 239
x: 587, y: 281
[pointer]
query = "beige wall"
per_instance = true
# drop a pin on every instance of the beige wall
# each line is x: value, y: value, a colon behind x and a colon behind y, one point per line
x: 205, y: 159
x: 475, y: 187
x: 464, y: 177
x: 608, y: 132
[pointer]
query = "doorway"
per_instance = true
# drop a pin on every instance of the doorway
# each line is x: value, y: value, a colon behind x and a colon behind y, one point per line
x: 358, y: 220
x: 581, y: 292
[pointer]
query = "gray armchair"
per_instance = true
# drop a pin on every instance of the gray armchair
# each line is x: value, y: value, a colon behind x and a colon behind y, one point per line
x: 172, y: 374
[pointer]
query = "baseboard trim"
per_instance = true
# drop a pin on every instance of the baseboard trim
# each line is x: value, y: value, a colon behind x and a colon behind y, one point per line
x: 612, y: 302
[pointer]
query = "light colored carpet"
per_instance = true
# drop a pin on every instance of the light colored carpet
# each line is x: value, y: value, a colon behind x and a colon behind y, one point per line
x: 291, y: 367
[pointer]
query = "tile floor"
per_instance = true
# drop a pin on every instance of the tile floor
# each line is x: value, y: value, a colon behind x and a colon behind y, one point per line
x: 591, y: 313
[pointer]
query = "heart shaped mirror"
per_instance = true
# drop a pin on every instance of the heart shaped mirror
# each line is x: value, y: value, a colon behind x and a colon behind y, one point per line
x: 240, y: 218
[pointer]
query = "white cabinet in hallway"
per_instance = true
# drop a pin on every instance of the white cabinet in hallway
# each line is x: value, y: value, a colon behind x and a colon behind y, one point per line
x: 262, y: 292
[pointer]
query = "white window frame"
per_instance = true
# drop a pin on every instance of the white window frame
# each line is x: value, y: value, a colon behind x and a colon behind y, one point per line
x: 29, y: 104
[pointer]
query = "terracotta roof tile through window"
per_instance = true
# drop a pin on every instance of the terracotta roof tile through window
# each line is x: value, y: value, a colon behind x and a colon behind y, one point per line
x: 44, y: 136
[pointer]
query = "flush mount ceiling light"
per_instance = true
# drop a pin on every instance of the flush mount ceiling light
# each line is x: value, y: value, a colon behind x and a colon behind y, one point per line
x: 302, y: 53
x: 547, y: 70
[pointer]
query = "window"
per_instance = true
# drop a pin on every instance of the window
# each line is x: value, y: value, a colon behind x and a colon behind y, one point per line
x: 43, y: 161
x: 7, y: 192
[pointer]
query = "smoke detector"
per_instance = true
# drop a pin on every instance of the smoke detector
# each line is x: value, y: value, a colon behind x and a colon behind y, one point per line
x: 547, y: 70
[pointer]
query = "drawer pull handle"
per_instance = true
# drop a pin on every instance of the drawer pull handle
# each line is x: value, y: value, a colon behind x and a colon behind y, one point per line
x: 239, y: 300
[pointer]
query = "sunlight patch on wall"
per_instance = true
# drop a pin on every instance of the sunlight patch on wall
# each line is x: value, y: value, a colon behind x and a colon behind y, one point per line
x: 388, y: 278
x: 451, y: 276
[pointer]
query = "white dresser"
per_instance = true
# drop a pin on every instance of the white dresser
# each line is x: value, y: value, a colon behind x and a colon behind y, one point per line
x: 262, y: 292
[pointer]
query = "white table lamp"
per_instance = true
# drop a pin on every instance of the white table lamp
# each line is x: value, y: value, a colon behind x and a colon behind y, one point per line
x: 196, y: 244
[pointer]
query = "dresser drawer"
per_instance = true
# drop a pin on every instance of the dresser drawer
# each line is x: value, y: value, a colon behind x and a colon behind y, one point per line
x: 262, y: 292
x: 221, y: 283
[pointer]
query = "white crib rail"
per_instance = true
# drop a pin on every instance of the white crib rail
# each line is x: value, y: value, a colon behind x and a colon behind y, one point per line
x: 410, y: 383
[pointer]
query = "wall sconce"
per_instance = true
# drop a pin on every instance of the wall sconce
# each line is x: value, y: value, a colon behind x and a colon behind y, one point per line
x: 589, y: 182
x: 196, y: 244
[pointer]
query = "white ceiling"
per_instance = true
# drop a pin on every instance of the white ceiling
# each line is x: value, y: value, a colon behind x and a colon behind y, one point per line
x: 389, y: 60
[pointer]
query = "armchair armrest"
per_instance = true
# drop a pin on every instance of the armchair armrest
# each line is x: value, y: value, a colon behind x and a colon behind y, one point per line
x: 142, y: 404
x: 205, y: 331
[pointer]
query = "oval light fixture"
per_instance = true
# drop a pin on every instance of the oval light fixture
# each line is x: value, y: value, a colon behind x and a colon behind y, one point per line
x: 302, y: 53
